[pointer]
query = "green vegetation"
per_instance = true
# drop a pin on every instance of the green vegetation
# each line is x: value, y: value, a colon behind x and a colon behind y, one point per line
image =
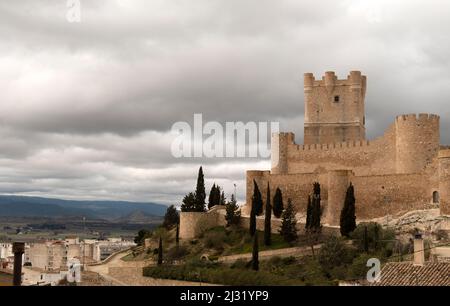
x: 278, y: 203
x: 188, y: 202
x: 141, y: 236
x: 215, y: 273
x: 257, y: 207
x: 288, y: 224
x: 268, y: 219
x: 214, y: 196
x: 195, y: 201
x: 257, y: 202
x: 347, y: 265
x: 255, y: 253
x: 160, y: 252
x: 348, y: 216
x: 314, y: 211
x: 171, y: 218
x: 200, y: 194
x: 371, y: 237
x: 233, y: 214
x: 337, y: 259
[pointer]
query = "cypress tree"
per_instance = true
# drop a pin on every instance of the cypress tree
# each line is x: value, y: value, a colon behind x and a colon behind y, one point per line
x: 256, y: 208
x: 278, y: 203
x: 252, y: 227
x: 348, y: 217
x: 268, y: 219
x: 160, y: 252
x: 316, y: 210
x: 288, y: 227
x: 211, y: 198
x: 257, y: 203
x: 200, y: 194
x: 255, y: 253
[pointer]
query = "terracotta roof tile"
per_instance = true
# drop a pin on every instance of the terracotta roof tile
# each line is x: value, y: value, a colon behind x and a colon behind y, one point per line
x: 407, y: 274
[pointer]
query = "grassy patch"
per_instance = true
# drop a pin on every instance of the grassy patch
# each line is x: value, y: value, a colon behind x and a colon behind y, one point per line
x: 244, y: 244
x: 219, y: 274
x: 274, y: 272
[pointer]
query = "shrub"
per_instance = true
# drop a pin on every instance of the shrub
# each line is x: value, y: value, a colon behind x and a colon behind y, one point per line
x: 215, y: 240
x: 333, y: 253
x: 176, y: 253
x: 441, y: 235
x: 171, y: 218
x: 239, y: 264
x: 358, y: 269
x: 219, y: 275
x: 377, y: 237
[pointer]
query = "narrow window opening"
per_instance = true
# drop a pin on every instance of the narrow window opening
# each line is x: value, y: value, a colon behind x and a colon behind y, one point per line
x: 435, y: 197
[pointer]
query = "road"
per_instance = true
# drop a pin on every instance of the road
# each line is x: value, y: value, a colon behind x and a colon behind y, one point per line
x: 129, y: 273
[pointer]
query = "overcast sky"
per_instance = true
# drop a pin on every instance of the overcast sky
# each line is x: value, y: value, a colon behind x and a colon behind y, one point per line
x: 86, y: 108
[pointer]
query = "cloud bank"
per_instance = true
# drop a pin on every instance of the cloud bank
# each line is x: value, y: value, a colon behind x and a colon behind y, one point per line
x: 86, y: 108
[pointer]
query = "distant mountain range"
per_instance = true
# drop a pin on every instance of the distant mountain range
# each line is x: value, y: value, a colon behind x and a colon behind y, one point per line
x: 21, y: 206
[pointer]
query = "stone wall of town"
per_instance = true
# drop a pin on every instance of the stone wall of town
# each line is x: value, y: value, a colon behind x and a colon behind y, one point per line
x: 192, y: 224
x: 397, y: 172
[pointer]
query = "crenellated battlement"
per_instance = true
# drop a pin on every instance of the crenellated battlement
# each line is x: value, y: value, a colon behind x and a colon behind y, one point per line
x: 416, y: 118
x: 329, y: 79
x: 334, y: 108
x: 333, y: 146
x: 403, y: 169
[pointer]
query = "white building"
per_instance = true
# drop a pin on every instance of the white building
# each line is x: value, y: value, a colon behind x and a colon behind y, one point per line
x: 6, y: 250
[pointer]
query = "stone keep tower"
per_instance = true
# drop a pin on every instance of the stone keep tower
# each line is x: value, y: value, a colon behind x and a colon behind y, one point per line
x: 334, y: 109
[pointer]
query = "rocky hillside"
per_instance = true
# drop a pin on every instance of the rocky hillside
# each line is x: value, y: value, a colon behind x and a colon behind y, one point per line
x: 428, y: 221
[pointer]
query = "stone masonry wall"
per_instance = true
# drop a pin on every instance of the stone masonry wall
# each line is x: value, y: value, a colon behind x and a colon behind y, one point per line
x: 376, y: 195
x: 444, y: 181
x: 192, y: 224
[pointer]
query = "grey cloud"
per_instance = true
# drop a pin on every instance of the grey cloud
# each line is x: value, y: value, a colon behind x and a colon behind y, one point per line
x: 86, y: 108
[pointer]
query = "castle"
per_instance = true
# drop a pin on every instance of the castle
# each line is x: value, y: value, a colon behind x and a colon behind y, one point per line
x: 405, y: 169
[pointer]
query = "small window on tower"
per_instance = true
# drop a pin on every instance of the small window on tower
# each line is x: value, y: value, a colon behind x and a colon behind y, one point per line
x: 336, y: 99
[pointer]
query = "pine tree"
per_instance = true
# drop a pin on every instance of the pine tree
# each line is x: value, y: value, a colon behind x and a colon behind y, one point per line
x: 188, y: 203
x: 288, y: 223
x: 200, y: 194
x: 278, y: 203
x: 268, y: 220
x: 160, y: 252
x: 255, y: 253
x: 308, y: 214
x: 171, y: 217
x: 211, y: 198
x: 233, y: 215
x: 348, y: 217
